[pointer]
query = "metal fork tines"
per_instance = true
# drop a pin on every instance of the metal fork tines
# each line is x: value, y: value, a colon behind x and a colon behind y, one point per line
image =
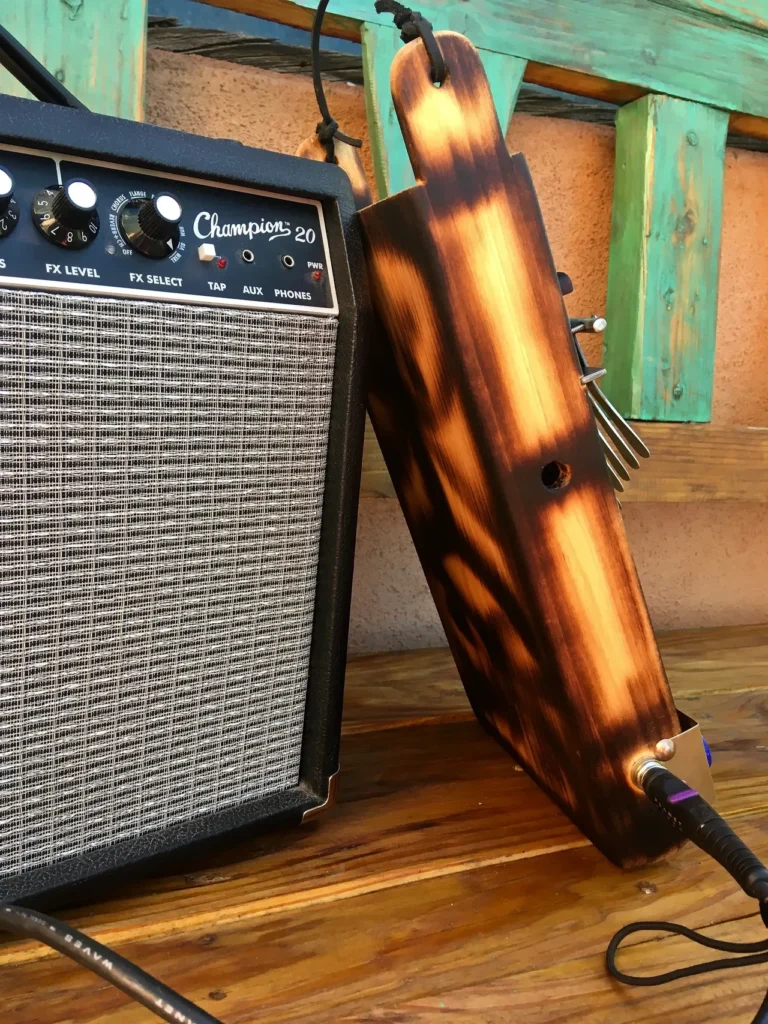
x: 625, y: 428
x: 617, y: 438
x: 621, y: 444
x: 616, y: 468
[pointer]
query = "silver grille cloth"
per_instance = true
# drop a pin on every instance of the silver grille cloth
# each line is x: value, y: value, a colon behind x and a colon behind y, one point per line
x: 161, y: 481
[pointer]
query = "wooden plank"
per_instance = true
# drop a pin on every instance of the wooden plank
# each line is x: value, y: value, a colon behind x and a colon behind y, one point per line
x: 254, y: 51
x: 689, y: 462
x: 325, y: 962
x: 270, y: 54
x: 610, y: 86
x: 480, y: 394
x: 745, y: 131
x: 734, y: 13
x: 749, y: 125
x: 393, y: 690
x: 97, y: 50
x: 402, y: 688
x: 581, y: 83
x: 692, y: 462
x: 729, y: 659
x: 301, y: 15
x: 579, y: 987
x: 437, y: 878
x: 665, y: 259
x: 392, y: 167
x: 656, y: 46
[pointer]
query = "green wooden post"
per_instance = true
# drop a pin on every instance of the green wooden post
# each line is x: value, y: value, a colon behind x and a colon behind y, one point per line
x: 664, y: 259
x: 97, y: 48
x: 391, y: 165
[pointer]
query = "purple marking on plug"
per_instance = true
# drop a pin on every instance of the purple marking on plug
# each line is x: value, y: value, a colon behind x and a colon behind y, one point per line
x: 678, y: 798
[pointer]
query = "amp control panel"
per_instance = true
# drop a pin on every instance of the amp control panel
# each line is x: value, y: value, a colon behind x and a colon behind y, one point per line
x: 95, y: 228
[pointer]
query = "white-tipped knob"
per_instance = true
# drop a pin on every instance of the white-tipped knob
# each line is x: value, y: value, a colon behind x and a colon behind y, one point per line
x: 81, y: 195
x: 168, y: 207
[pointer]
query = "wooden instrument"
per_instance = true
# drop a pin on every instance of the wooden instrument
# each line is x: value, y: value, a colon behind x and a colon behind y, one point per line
x: 476, y: 395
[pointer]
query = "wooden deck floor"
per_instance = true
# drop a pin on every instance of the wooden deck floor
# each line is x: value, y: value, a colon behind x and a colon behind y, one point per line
x: 443, y: 885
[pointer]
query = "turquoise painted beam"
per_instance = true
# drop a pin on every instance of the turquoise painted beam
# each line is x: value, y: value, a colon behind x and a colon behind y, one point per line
x: 710, y: 51
x: 664, y: 259
x: 392, y: 168
x: 97, y: 48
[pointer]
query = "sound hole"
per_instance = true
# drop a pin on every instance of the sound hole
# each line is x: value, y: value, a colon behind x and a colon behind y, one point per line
x: 556, y: 475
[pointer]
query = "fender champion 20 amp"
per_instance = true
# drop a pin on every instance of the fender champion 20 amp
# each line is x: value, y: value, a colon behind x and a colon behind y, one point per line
x: 180, y: 442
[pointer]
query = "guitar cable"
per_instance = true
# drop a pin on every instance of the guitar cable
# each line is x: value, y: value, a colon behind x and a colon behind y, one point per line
x: 161, y: 1000
x: 691, y: 815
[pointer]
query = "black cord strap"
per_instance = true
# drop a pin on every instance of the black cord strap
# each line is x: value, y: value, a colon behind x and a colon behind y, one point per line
x: 758, y: 951
x: 327, y: 129
x: 752, y: 953
x: 414, y: 25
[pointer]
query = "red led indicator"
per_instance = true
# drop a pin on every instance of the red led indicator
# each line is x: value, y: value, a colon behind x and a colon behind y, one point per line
x: 221, y: 262
x: 318, y: 275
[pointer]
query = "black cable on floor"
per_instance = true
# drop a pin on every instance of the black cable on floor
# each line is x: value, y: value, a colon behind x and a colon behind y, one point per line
x: 161, y: 1000
x: 759, y: 951
x: 687, y: 810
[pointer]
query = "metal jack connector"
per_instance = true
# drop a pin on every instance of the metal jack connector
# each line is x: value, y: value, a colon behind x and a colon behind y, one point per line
x: 685, y: 755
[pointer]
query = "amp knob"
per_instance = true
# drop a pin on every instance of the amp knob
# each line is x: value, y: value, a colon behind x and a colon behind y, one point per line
x: 66, y: 214
x: 151, y: 225
x: 9, y: 208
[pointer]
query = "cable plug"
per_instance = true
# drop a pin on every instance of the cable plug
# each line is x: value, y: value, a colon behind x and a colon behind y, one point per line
x: 690, y: 813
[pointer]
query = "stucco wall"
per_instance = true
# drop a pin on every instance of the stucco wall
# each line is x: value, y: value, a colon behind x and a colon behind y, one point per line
x: 700, y: 564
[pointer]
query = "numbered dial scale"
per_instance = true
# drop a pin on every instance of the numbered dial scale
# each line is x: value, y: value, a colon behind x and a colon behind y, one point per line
x: 9, y: 208
x: 94, y: 227
x: 66, y: 214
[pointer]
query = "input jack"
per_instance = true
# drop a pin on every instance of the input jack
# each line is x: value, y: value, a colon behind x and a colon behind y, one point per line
x: 288, y: 261
x: 247, y: 256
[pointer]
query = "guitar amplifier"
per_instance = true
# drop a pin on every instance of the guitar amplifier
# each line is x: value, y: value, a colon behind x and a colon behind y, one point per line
x: 180, y: 442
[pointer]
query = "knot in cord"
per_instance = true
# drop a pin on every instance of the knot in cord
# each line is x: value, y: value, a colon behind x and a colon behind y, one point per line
x: 326, y: 130
x: 414, y: 25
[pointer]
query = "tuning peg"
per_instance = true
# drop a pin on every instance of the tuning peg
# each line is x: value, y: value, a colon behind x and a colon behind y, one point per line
x: 588, y: 324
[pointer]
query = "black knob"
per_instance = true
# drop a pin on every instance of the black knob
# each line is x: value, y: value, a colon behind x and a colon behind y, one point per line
x: 151, y: 225
x: 66, y: 214
x: 9, y: 208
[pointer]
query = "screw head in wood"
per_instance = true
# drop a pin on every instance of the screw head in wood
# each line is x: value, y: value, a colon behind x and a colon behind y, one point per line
x: 665, y: 749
